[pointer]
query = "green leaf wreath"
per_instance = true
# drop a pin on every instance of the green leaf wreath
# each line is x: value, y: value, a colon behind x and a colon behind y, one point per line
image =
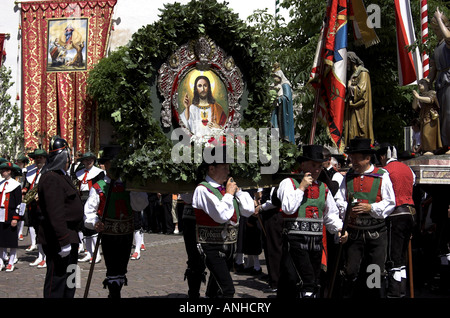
x: 124, y: 86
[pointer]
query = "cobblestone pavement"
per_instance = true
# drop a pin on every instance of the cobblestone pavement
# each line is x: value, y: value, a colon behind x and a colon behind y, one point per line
x: 159, y: 273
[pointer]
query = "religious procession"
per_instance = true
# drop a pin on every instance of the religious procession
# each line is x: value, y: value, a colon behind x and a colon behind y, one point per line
x: 324, y: 176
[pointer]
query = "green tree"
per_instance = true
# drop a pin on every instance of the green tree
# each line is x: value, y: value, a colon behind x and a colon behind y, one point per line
x: 293, y: 45
x: 11, y: 133
x: 124, y: 84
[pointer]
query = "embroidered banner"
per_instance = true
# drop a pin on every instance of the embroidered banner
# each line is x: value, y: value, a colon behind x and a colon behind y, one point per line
x: 62, y: 41
x: 330, y: 81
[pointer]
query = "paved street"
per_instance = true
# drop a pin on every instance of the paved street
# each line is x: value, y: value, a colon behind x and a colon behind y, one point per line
x: 158, y: 273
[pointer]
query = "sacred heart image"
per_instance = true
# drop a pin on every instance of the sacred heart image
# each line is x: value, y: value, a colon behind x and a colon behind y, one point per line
x: 202, y: 101
x: 67, y: 45
x: 201, y: 86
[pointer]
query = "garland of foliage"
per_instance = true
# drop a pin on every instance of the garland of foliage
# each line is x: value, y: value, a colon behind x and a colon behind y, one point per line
x: 122, y: 85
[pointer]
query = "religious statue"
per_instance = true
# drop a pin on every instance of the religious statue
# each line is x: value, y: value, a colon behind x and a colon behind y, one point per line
x: 440, y: 71
x: 358, y: 116
x: 427, y: 103
x: 283, y: 113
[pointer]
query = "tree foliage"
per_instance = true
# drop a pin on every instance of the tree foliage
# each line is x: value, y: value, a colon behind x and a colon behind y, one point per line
x: 122, y: 85
x: 10, y: 133
x: 293, y: 45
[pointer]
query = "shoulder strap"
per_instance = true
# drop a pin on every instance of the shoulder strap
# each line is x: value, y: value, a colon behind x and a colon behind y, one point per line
x: 211, y: 189
x: 217, y: 193
x: 100, y: 186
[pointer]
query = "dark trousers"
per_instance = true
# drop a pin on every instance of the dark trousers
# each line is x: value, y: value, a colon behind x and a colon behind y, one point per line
x: 334, y: 265
x: 153, y: 217
x: 300, y: 269
x: 58, y: 282
x: 363, y: 248
x: 116, y: 253
x: 272, y: 243
x: 219, y: 261
x: 399, y: 229
x: 167, y: 226
x: 195, y: 272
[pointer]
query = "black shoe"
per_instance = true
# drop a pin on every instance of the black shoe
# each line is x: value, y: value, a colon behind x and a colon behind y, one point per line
x: 239, y: 268
x: 256, y: 272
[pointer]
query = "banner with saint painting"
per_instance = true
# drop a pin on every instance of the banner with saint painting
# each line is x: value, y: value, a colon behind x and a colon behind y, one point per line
x: 62, y: 40
x: 67, y: 45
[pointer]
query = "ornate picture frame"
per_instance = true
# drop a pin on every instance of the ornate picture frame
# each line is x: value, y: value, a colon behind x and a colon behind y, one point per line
x: 179, y: 75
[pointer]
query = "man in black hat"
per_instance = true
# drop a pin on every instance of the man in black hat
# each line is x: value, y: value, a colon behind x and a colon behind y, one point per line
x: 62, y: 212
x: 117, y: 228
x: 218, y: 202
x: 400, y: 222
x: 306, y: 206
x: 373, y: 201
x: 86, y: 177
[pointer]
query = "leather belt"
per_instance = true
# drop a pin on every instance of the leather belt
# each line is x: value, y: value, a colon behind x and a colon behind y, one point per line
x: 404, y: 209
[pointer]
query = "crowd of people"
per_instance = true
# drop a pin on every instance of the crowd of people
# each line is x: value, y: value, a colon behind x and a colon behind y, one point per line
x: 318, y: 230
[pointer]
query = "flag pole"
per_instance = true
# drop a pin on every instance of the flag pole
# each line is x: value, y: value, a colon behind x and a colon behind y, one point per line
x: 424, y: 35
x: 317, y: 96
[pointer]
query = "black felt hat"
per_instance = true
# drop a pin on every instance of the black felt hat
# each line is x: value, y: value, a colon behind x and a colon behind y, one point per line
x: 383, y: 148
x: 312, y: 152
x: 360, y: 145
x: 405, y: 155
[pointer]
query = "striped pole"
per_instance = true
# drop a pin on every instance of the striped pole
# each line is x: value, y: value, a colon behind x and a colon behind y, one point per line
x: 277, y: 8
x: 424, y: 22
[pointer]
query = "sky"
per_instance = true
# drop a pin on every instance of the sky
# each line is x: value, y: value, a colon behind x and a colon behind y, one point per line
x: 149, y: 12
x: 135, y: 14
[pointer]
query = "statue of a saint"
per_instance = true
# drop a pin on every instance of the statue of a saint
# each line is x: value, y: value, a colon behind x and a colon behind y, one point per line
x: 283, y: 113
x: 440, y: 71
x: 430, y: 133
x: 358, y: 116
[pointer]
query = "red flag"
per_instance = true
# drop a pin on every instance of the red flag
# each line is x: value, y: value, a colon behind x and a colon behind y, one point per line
x: 329, y: 72
x: 2, y: 40
x: 409, y: 64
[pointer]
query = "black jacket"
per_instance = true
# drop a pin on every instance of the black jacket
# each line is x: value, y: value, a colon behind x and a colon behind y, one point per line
x: 62, y: 210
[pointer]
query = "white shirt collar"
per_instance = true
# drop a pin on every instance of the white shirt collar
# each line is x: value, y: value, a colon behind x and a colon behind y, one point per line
x: 392, y: 159
x: 370, y: 169
x: 212, y: 181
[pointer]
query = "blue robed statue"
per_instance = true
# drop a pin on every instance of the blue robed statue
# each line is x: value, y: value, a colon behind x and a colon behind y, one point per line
x: 283, y: 113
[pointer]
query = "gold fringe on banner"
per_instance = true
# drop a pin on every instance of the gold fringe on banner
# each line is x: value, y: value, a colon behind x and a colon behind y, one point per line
x: 363, y: 34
